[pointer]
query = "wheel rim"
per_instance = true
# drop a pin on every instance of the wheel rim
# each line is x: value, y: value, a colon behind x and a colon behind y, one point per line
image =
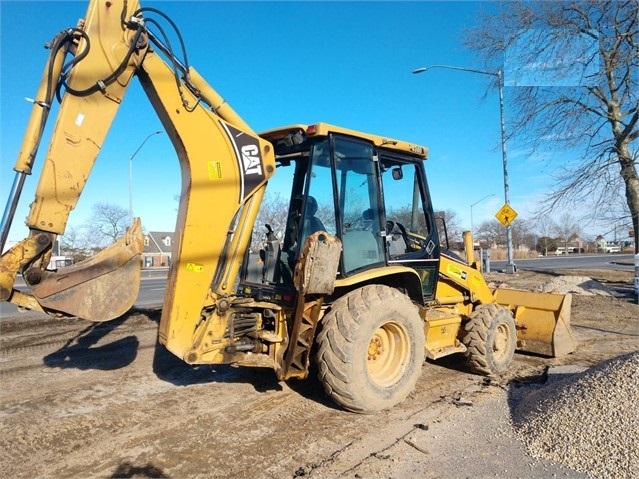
x: 387, y: 354
x: 501, y: 342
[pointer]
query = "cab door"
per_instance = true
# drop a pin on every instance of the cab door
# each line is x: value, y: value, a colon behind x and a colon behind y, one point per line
x: 358, y: 200
x: 410, y: 234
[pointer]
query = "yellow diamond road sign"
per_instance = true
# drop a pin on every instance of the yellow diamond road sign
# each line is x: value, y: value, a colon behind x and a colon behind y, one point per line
x: 506, y: 215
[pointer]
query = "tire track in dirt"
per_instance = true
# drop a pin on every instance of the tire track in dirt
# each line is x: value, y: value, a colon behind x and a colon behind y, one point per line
x: 135, y: 408
x: 185, y: 419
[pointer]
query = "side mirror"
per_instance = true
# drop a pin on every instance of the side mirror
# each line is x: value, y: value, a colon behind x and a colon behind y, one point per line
x: 397, y: 172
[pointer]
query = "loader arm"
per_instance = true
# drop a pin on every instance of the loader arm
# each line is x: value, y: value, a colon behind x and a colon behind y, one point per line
x: 223, y: 163
x: 542, y: 319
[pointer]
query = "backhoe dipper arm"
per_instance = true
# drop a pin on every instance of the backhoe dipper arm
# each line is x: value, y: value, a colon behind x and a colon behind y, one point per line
x: 224, y: 167
x: 105, y: 57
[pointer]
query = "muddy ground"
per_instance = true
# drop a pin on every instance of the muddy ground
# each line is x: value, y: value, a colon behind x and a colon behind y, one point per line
x: 103, y: 400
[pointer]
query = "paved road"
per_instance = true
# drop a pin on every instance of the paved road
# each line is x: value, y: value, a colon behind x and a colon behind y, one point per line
x: 623, y: 262
x: 151, y: 292
x: 154, y: 281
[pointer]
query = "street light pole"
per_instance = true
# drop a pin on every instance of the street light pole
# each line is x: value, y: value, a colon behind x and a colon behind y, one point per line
x: 131, y: 173
x: 471, y: 211
x: 510, y: 265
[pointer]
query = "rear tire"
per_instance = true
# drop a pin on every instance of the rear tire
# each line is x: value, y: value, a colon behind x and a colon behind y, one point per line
x: 490, y: 339
x: 371, y: 349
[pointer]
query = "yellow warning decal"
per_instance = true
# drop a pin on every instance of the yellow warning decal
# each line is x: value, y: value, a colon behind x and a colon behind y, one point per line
x: 196, y: 268
x: 215, y: 170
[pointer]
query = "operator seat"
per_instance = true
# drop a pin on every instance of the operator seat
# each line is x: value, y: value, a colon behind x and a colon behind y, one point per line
x: 312, y: 224
x: 396, y: 238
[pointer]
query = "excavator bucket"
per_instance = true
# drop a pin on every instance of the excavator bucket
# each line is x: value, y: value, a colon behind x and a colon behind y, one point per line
x: 100, y: 288
x: 543, y: 320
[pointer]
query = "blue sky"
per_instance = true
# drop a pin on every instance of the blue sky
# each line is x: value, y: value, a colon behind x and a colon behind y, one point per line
x: 279, y: 63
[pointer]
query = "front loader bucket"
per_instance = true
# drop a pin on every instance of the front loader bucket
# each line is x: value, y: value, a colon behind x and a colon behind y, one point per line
x: 543, y: 320
x: 100, y: 288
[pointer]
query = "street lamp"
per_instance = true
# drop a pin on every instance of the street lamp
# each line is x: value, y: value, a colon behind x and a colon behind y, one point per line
x: 131, y: 173
x: 471, y: 210
x: 510, y: 265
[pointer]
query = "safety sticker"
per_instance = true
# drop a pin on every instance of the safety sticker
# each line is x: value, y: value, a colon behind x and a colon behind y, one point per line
x: 215, y: 170
x: 196, y: 268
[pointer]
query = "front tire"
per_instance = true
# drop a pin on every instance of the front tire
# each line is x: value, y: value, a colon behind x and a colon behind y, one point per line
x: 490, y: 339
x: 371, y: 349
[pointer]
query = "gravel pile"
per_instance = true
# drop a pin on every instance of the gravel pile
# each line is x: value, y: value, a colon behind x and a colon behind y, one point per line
x: 588, y: 422
x: 576, y: 285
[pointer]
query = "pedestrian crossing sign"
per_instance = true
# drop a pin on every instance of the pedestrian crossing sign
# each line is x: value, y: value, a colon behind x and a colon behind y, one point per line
x: 506, y: 215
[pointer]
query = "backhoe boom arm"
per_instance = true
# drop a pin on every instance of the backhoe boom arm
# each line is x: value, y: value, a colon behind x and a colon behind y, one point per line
x: 220, y: 158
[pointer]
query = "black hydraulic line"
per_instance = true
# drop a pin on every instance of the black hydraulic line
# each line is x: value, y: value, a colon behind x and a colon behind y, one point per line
x: 168, y: 52
x: 58, y: 42
x: 171, y: 55
x: 123, y: 20
x: 167, y: 49
x: 78, y: 57
x: 100, y: 85
x: 74, y: 61
x: 10, y: 208
x: 172, y: 23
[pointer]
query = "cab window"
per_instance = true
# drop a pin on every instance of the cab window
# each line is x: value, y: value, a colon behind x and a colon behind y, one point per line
x: 407, y: 228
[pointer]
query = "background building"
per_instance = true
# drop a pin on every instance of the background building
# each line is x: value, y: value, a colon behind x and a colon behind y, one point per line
x: 157, y: 249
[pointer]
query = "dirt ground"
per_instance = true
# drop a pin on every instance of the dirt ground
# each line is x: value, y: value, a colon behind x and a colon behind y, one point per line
x: 103, y: 400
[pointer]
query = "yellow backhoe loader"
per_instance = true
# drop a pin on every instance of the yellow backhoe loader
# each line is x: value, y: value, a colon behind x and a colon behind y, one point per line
x: 356, y: 280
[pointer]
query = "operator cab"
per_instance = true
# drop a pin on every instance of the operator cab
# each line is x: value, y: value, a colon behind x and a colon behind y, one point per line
x: 368, y: 191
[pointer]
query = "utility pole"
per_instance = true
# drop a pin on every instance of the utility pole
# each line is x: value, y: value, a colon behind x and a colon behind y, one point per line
x: 510, y: 265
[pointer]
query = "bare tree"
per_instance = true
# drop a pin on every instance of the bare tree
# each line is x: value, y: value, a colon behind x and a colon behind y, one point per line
x: 417, y: 223
x: 492, y: 232
x: 546, y: 244
x: 566, y: 228
x: 453, y: 230
x: 521, y: 233
x: 545, y: 227
x: 107, y: 223
x: 594, y: 116
x: 273, y: 211
x: 75, y: 243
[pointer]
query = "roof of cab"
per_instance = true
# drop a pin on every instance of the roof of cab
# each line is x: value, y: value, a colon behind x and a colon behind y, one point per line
x: 323, y: 129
